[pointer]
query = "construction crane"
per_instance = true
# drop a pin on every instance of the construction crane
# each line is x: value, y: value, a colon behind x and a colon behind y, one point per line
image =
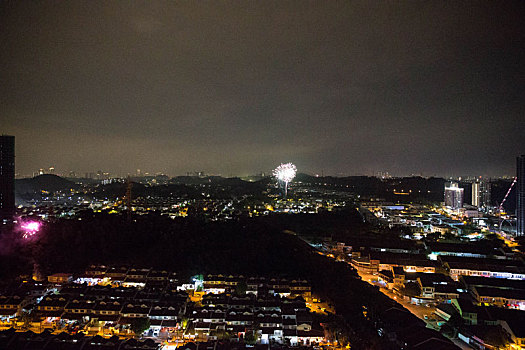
x: 500, y: 208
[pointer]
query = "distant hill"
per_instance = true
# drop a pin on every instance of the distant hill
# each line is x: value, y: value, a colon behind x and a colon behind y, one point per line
x: 197, y: 180
x: 233, y: 185
x: 406, y: 189
x: 46, y: 182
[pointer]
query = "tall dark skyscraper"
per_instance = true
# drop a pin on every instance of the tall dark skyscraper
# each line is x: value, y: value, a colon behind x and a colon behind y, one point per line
x: 520, y: 195
x: 7, y: 176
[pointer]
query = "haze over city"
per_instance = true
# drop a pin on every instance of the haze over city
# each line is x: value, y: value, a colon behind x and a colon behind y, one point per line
x: 337, y: 87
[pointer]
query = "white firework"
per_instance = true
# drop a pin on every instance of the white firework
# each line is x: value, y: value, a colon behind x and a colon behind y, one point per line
x: 285, y: 173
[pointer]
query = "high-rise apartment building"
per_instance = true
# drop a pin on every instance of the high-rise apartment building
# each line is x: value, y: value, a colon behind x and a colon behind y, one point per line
x: 520, y: 195
x: 453, y: 196
x: 485, y: 197
x: 476, y: 194
x: 7, y: 176
x: 481, y: 194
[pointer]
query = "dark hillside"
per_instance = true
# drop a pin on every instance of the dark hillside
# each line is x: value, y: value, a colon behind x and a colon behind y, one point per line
x: 46, y: 182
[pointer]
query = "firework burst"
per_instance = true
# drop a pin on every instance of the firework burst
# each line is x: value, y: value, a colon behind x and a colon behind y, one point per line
x: 285, y: 173
x: 30, y: 228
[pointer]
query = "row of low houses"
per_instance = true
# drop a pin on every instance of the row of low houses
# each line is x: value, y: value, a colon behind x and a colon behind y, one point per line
x: 453, y: 265
x: 466, y: 250
x: 456, y: 259
x: 46, y: 340
x: 97, y: 307
x: 106, y: 301
x: 433, y: 287
x: 126, y: 276
x: 211, y: 283
x: 484, y: 267
x: 284, y: 287
x: 374, y: 262
x: 504, y: 293
x: 274, y: 319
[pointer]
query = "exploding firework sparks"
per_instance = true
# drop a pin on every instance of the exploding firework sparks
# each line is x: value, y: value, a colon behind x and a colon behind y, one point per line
x: 30, y: 229
x: 285, y: 173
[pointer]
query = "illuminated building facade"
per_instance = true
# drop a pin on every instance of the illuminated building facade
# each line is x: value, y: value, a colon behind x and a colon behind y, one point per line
x: 7, y: 176
x: 454, y: 196
x: 481, y: 194
x: 520, y: 195
x: 476, y: 194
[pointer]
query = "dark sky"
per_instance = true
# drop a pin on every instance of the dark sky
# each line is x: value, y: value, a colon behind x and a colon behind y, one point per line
x: 237, y: 87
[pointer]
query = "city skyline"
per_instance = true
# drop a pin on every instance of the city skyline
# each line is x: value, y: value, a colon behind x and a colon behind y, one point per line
x: 335, y: 87
x: 105, y: 173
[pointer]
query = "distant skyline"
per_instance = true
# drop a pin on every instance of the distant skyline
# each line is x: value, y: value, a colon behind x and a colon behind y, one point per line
x: 236, y: 88
x: 145, y: 172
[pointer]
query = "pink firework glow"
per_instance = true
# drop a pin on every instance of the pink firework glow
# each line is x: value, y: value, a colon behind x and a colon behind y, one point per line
x: 30, y: 228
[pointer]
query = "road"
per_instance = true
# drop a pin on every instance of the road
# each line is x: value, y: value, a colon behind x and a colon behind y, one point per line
x: 417, y: 310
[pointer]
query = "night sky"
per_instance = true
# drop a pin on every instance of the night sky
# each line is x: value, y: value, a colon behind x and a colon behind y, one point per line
x: 237, y: 87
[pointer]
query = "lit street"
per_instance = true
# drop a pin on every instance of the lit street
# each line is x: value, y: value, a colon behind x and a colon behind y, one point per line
x: 426, y: 313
